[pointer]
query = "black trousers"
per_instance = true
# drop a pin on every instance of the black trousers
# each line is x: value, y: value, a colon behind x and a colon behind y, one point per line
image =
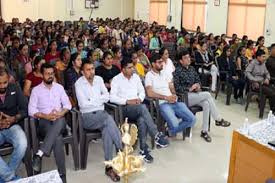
x: 269, y: 91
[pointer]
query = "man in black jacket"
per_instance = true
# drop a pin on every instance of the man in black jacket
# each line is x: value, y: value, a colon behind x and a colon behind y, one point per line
x: 270, y: 64
x: 13, y: 109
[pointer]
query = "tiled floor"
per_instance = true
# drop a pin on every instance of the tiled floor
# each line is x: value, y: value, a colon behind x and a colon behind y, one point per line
x: 189, y: 161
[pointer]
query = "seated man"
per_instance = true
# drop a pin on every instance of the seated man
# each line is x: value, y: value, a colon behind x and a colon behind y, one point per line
x: 159, y: 86
x: 49, y: 103
x: 91, y: 95
x: 258, y: 74
x: 107, y: 71
x: 187, y: 79
x: 270, y: 63
x: 127, y: 90
x: 13, y: 108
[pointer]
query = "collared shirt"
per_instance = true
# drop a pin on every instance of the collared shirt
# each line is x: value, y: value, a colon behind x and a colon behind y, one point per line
x: 91, y: 97
x: 159, y: 83
x: 123, y: 89
x: 46, y: 100
x: 184, y: 78
x: 256, y: 71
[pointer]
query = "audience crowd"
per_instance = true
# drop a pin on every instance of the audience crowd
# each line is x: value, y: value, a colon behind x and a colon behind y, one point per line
x: 48, y: 68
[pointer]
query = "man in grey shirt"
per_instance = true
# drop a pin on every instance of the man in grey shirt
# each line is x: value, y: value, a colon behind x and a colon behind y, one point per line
x: 258, y: 74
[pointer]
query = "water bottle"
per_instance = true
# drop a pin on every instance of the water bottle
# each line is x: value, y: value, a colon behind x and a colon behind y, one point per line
x: 270, y: 118
x: 246, y: 127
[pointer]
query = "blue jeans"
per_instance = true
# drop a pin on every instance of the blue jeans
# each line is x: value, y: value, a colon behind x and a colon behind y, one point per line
x: 15, y: 136
x: 177, y: 116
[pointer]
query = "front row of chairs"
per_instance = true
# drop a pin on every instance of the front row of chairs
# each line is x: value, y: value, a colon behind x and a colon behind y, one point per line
x: 79, y: 138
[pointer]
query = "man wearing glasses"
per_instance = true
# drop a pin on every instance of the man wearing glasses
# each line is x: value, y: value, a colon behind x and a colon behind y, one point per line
x: 49, y: 103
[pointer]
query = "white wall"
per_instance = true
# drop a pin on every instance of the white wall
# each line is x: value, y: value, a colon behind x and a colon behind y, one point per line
x: 175, y: 12
x: 270, y: 23
x: 60, y: 9
x: 216, y: 18
x: 142, y: 9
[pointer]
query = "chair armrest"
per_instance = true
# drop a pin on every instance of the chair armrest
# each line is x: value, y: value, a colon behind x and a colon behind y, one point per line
x: 116, y: 109
x: 183, y: 97
x: 75, y: 121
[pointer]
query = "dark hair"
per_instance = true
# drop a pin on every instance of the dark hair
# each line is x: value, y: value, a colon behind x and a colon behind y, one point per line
x: 90, y: 53
x: 46, y: 66
x: 154, y: 57
x: 21, y: 46
x: 223, y: 55
x: 125, y: 61
x: 249, y: 43
x: 240, y: 50
x: 106, y: 54
x: 138, y: 47
x: 72, y: 60
x: 202, y: 43
x: 78, y: 42
x: 244, y: 37
x: 3, y: 71
x: 260, y: 52
x: 182, y: 53
x: 259, y: 39
x: 116, y: 49
x: 272, y: 46
x: 37, y: 60
x: 162, y: 50
x: 86, y: 63
x: 50, y: 44
x: 62, y: 53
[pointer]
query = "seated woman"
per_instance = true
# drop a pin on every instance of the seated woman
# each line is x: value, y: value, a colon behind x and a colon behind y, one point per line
x: 22, y: 64
x: 72, y: 74
x: 52, y: 55
x: 241, y: 62
x: 203, y: 57
x: 139, y: 69
x: 117, y: 56
x: 93, y: 56
x: 35, y: 77
x: 143, y: 59
x: 107, y: 70
x: 226, y: 63
x: 62, y: 64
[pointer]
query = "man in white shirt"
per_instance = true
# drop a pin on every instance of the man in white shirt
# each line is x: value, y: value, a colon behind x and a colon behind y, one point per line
x: 127, y: 90
x: 91, y: 95
x: 160, y: 86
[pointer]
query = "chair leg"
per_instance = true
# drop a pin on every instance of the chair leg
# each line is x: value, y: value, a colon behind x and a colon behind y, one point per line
x: 248, y: 100
x: 67, y: 149
x: 82, y: 151
x: 262, y: 106
x: 209, y: 123
x: 28, y: 163
x: 75, y: 152
x: 85, y: 153
x: 228, y: 94
x: 218, y: 89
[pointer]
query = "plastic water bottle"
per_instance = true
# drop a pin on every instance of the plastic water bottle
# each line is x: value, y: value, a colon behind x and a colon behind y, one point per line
x: 270, y: 118
x: 246, y: 127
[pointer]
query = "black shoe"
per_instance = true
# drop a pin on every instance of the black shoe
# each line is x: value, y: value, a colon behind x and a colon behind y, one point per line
x: 206, y: 136
x: 36, y: 164
x: 63, y: 178
x: 146, y: 156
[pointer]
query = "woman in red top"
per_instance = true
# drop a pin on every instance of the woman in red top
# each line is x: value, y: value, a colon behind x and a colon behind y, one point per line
x: 52, y: 54
x: 35, y: 77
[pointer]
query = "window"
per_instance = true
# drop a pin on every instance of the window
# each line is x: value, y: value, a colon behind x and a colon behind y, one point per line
x: 194, y: 14
x: 246, y: 17
x: 159, y: 11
